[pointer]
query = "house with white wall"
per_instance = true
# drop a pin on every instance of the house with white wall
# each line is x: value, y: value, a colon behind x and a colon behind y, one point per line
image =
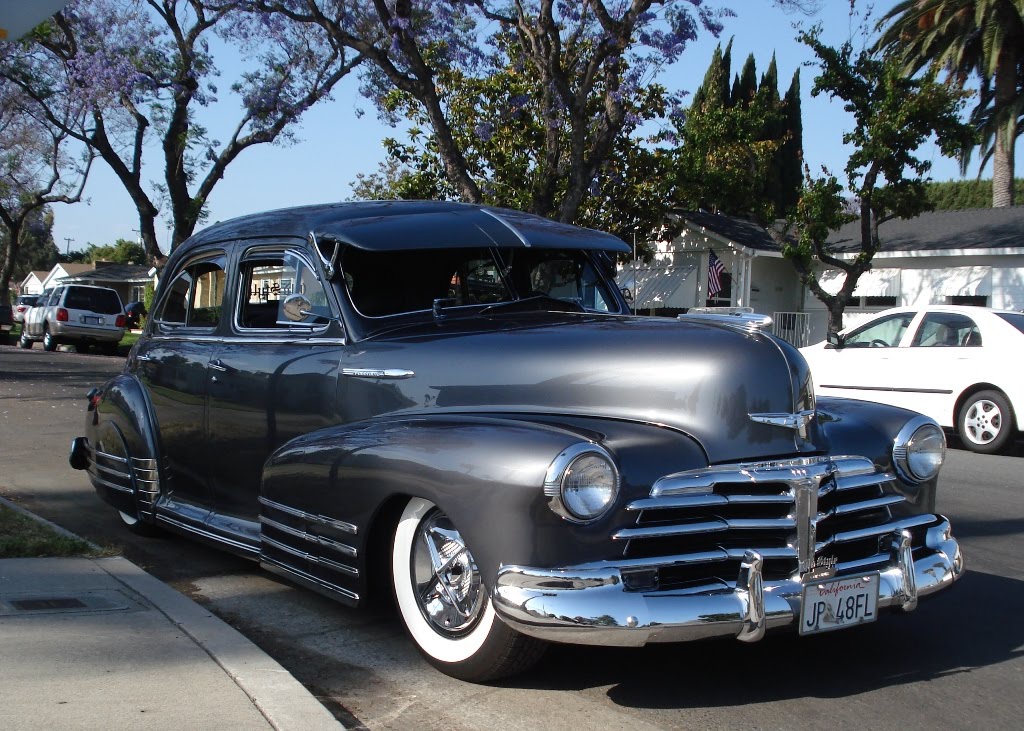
x: 33, y: 282
x: 973, y: 256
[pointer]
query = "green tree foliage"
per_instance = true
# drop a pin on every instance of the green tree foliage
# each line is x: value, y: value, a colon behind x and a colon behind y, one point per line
x: 961, y: 194
x: 122, y: 251
x: 516, y: 158
x: 981, y: 39
x: 737, y: 147
x: 893, y: 116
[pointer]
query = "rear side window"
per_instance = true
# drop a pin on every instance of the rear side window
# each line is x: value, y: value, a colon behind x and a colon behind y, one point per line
x: 947, y: 330
x: 102, y: 301
x: 196, y: 295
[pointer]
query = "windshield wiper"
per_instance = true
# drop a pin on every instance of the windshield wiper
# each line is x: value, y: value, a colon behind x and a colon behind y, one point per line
x: 534, y: 303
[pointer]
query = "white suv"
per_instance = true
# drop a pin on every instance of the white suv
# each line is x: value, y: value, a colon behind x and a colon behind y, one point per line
x: 76, y: 314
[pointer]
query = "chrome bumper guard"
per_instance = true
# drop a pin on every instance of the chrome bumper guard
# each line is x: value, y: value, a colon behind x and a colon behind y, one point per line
x: 590, y: 604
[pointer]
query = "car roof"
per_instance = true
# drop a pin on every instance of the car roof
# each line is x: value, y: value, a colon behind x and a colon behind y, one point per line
x: 397, y: 225
x: 969, y: 310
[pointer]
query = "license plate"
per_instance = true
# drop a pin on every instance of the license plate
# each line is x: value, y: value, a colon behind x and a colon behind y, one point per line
x: 839, y: 603
x: 92, y: 320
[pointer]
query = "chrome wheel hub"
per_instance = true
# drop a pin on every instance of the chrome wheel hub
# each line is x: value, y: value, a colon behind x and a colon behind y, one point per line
x: 983, y: 422
x: 446, y: 580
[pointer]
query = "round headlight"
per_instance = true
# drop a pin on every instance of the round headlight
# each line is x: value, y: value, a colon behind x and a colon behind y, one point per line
x: 583, y: 482
x: 920, y: 450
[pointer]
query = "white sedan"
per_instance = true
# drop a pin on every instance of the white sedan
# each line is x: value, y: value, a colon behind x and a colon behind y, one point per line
x: 959, y: 365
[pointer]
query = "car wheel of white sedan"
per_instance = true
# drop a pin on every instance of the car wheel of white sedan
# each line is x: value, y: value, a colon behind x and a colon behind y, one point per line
x: 444, y: 604
x: 986, y: 422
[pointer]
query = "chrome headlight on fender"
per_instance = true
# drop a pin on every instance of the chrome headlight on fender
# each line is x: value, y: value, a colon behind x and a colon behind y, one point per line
x: 582, y: 482
x: 919, y: 450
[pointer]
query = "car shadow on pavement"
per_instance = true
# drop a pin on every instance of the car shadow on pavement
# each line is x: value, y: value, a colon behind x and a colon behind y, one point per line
x: 945, y: 636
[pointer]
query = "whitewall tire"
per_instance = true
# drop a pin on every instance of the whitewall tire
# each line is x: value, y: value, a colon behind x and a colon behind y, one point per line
x: 445, y: 605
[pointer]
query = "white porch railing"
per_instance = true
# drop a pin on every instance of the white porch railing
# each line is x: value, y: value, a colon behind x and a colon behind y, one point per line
x: 794, y: 327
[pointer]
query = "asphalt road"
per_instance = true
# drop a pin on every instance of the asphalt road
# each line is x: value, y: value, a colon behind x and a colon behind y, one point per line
x: 956, y: 662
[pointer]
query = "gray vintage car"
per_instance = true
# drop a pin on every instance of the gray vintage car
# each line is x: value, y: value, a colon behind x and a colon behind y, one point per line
x: 452, y: 403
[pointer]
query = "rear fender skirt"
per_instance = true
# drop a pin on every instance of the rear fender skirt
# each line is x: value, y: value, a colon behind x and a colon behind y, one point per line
x: 124, y: 409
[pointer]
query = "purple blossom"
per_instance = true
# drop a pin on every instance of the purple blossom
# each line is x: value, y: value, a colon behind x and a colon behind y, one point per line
x: 484, y: 131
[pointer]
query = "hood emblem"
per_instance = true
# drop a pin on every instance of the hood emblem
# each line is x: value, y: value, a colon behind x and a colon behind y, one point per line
x: 797, y: 421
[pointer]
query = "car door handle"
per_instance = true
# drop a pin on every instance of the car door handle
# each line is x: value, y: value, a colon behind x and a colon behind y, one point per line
x: 218, y: 365
x: 145, y: 358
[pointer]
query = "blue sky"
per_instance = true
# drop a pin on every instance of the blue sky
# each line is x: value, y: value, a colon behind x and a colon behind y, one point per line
x: 334, y: 144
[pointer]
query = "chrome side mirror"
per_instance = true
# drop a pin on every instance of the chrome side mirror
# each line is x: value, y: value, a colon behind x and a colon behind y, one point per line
x: 296, y: 307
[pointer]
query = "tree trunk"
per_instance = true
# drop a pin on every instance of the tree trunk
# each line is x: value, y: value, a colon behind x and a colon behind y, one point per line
x: 1002, y: 157
x: 10, y: 257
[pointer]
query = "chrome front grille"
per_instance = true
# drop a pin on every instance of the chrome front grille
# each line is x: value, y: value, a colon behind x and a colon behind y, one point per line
x: 695, y: 526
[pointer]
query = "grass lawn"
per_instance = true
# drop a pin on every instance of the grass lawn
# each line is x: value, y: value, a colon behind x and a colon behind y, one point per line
x: 23, y: 537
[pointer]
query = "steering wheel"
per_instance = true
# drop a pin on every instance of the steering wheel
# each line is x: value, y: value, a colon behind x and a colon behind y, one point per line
x: 879, y: 343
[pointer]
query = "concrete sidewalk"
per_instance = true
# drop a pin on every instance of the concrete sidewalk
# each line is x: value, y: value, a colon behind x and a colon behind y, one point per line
x: 100, y: 644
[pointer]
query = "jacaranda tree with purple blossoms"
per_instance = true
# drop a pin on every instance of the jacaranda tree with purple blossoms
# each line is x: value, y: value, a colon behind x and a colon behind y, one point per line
x: 144, y: 68
x: 36, y: 170
x: 584, y: 65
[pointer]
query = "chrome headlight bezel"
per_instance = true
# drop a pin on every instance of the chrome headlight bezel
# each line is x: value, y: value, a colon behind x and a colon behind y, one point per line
x: 914, y: 452
x: 556, y: 487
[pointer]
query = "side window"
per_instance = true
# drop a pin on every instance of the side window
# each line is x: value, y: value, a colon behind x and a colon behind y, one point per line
x: 195, y: 296
x: 947, y: 329
x: 884, y: 333
x: 268, y: 280
x: 55, y: 296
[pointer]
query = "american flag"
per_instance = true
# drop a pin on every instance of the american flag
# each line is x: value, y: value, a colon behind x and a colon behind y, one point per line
x: 715, y: 271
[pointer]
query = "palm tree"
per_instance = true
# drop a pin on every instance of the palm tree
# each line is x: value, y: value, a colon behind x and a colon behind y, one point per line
x: 970, y: 37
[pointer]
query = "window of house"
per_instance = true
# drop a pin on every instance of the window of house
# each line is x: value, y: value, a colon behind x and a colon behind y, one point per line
x: 969, y: 300
x: 723, y: 298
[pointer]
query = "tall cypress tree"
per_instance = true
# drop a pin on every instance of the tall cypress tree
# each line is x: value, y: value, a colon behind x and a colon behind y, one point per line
x: 791, y: 152
x: 745, y: 88
x: 714, y: 90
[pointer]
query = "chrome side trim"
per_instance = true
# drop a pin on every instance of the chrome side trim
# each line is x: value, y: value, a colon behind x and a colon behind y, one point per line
x: 311, y: 558
x: 309, y: 537
x: 315, y: 582
x: 245, y: 547
x: 387, y: 373
x: 111, y: 485
x: 320, y: 519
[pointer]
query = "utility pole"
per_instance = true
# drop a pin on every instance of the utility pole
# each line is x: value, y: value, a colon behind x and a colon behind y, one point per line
x: 67, y: 248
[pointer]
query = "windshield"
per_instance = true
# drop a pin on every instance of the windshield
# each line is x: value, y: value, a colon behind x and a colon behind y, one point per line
x: 386, y: 283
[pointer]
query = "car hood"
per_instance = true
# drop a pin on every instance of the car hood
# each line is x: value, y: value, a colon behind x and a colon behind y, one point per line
x: 704, y: 379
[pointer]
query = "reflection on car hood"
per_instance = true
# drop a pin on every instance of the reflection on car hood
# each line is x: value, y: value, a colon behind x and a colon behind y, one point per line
x: 704, y: 379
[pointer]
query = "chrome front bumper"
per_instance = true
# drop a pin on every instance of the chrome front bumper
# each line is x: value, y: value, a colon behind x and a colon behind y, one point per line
x: 589, y: 605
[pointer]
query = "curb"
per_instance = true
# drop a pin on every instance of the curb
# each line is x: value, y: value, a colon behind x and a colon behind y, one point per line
x: 282, y: 700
